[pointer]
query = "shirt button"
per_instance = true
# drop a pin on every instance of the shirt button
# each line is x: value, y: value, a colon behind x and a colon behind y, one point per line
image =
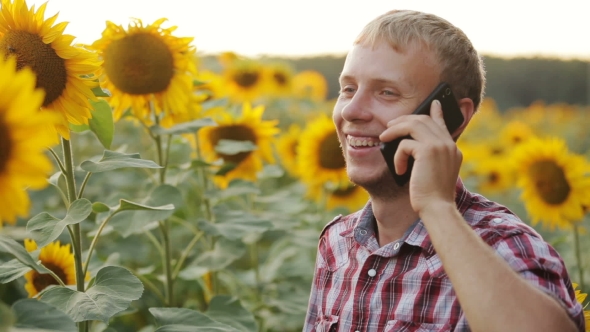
x: 396, y: 246
x: 363, y: 231
x: 372, y: 273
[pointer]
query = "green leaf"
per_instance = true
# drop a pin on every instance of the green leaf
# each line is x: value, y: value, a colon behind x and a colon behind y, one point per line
x: 236, y: 188
x: 100, y: 92
x: 226, y: 168
x: 229, y: 310
x: 12, y: 270
x: 184, y: 128
x: 223, y: 254
x: 234, y: 225
x: 34, y: 314
x: 99, y: 207
x: 18, y: 251
x: 199, y: 82
x: 221, y: 102
x: 186, y: 320
x: 133, y: 217
x: 114, y: 160
x: 197, y: 163
x: 271, y: 171
x: 6, y: 317
x: 79, y: 128
x: 46, y: 228
x: 102, y: 123
x: 231, y: 147
x: 113, y: 290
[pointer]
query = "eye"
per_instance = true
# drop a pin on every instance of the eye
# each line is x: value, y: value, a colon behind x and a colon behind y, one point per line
x: 388, y: 93
x: 347, y: 89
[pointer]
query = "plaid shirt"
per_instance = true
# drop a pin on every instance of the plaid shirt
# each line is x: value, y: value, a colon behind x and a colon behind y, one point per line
x: 402, y: 286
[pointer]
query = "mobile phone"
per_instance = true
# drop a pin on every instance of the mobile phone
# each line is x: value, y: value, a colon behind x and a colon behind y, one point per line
x: 453, y: 119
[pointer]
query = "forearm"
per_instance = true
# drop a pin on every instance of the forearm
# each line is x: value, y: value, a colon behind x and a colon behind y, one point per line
x: 492, y: 295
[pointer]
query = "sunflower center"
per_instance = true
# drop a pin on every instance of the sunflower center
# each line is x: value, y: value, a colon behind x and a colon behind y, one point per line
x: 246, y: 79
x: 343, y: 192
x: 139, y: 64
x: 550, y: 182
x: 41, y: 281
x: 5, y: 146
x: 237, y: 133
x: 493, y: 177
x: 330, y: 152
x: 31, y: 51
x: 280, y: 78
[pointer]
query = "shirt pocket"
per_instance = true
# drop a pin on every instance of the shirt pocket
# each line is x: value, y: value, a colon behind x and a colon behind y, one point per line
x: 403, y: 326
x: 326, y: 324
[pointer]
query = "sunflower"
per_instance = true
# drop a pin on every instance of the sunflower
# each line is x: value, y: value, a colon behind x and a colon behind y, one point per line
x: 554, y: 182
x: 245, y: 80
x: 211, y: 85
x: 248, y: 127
x: 493, y: 175
x: 580, y: 297
x: 280, y: 78
x: 65, y: 72
x: 349, y: 196
x: 310, y: 84
x: 145, y: 67
x: 287, y: 149
x: 319, y: 155
x: 515, y: 133
x: 54, y: 257
x: 24, y: 135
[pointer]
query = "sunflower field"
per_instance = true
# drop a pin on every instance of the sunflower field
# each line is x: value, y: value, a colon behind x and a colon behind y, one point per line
x: 141, y: 190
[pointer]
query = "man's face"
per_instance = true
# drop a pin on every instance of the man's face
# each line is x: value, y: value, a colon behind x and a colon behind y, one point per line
x: 378, y: 84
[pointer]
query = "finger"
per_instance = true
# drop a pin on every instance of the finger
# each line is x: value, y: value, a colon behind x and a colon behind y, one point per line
x: 436, y: 112
x: 404, y: 151
x: 417, y: 126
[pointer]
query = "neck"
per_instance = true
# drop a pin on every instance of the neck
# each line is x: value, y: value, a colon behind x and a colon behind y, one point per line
x: 394, y: 216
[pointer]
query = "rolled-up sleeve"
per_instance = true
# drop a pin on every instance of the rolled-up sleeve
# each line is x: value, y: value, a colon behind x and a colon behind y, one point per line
x: 539, y: 263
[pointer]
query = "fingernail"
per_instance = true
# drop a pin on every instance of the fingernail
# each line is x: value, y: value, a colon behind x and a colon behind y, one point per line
x: 437, y: 102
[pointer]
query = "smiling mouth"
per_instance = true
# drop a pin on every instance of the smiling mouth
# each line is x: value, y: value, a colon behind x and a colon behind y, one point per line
x: 362, y: 142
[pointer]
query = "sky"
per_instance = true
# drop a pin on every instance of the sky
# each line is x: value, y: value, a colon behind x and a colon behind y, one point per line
x: 316, y: 27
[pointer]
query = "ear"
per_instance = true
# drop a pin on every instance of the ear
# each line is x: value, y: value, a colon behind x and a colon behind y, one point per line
x: 467, y: 109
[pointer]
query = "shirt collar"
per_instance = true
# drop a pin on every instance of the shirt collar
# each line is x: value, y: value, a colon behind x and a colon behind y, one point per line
x: 362, y: 225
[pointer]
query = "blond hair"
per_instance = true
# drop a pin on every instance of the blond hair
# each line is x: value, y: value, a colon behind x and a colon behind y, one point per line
x: 460, y: 64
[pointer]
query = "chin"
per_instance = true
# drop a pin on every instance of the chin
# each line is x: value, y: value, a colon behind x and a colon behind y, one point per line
x: 377, y: 184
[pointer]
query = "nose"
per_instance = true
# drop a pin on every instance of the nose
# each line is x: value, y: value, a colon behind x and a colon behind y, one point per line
x: 357, y: 109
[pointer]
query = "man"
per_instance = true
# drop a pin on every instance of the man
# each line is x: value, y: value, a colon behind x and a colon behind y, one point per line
x: 428, y: 256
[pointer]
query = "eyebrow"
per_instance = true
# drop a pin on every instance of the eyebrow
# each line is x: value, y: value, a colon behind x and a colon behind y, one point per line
x: 376, y: 80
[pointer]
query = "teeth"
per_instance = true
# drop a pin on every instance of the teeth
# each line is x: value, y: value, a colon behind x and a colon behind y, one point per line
x: 358, y: 142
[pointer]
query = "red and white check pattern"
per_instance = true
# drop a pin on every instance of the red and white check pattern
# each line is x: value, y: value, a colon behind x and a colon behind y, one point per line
x: 402, y: 286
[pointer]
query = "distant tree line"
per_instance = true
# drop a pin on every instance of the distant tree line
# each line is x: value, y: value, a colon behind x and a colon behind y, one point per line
x: 512, y: 82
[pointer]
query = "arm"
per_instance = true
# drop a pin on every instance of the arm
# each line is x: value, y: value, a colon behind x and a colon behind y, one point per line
x: 493, y: 296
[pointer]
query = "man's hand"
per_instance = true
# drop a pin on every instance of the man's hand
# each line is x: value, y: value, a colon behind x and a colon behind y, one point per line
x: 437, y: 159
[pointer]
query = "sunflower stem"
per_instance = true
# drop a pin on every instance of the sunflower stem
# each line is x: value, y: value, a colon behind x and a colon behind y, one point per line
x: 95, y: 240
x: 164, y: 224
x: 83, y: 186
x: 76, y: 231
x: 58, y: 161
x: 207, y: 211
x: 185, y: 254
x: 578, y: 256
x: 55, y: 276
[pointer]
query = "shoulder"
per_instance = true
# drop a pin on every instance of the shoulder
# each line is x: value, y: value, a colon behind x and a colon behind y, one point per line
x: 494, y: 221
x: 339, y: 224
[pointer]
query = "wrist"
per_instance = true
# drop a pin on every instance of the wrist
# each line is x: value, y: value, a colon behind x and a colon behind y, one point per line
x: 437, y: 209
